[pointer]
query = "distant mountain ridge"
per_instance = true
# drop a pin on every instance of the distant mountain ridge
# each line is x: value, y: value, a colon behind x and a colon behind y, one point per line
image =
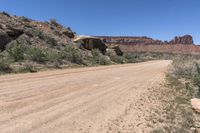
x: 186, y: 39
x: 178, y: 45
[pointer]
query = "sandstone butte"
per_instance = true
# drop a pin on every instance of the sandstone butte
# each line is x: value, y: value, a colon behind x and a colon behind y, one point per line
x: 178, y: 45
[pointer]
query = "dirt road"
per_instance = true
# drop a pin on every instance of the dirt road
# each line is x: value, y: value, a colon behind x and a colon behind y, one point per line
x: 96, y: 100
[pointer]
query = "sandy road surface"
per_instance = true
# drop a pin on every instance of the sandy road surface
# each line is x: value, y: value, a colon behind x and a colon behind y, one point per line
x: 81, y: 100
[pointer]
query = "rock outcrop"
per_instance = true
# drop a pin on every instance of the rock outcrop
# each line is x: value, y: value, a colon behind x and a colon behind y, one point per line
x: 42, y: 34
x: 187, y: 39
x: 89, y: 43
x: 179, y: 45
x: 37, y: 33
x: 195, y: 104
x: 129, y: 40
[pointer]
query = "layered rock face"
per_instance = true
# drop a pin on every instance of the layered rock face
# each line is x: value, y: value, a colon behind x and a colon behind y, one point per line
x: 178, y: 45
x: 129, y: 40
x: 187, y: 39
x: 165, y: 48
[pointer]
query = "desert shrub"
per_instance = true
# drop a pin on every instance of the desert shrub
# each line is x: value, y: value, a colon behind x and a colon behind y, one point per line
x: 118, y: 59
x: 99, y: 58
x: 73, y: 55
x: 131, y: 57
x: 36, y: 32
x: 5, y: 13
x: 4, y: 66
x: 48, y: 39
x: 95, y: 56
x: 96, y: 53
x: 110, y: 52
x: 51, y: 41
x: 16, y: 51
x: 53, y: 55
x: 23, y: 18
x: 188, y: 69
x: 35, y: 54
x: 196, y: 79
x: 182, y: 68
x: 104, y: 60
x: 27, y: 67
x: 114, y: 57
x: 54, y: 22
x: 44, y: 36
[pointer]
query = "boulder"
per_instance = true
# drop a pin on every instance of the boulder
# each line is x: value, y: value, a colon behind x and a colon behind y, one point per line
x: 90, y: 43
x: 118, y: 50
x: 7, y: 35
x: 14, y: 33
x: 195, y: 104
x: 68, y: 32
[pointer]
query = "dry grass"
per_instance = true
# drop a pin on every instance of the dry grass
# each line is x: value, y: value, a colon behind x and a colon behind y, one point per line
x: 182, y: 84
x: 175, y: 115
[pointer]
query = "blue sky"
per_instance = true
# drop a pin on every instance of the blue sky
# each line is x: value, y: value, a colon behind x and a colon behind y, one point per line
x: 160, y: 19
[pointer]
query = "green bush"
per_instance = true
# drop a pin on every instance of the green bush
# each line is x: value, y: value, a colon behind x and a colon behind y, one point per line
x: 45, y: 37
x: 99, y: 58
x: 182, y: 68
x: 51, y: 41
x: 54, y: 22
x: 104, y: 60
x: 96, y: 56
x: 73, y: 55
x: 197, y: 79
x: 111, y: 52
x: 4, y: 66
x: 119, y: 59
x: 16, y: 51
x: 187, y: 68
x: 131, y: 57
x: 53, y: 55
x: 35, y: 54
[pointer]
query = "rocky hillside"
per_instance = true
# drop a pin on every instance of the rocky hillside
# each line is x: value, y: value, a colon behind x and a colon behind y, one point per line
x: 34, y: 32
x: 28, y: 45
